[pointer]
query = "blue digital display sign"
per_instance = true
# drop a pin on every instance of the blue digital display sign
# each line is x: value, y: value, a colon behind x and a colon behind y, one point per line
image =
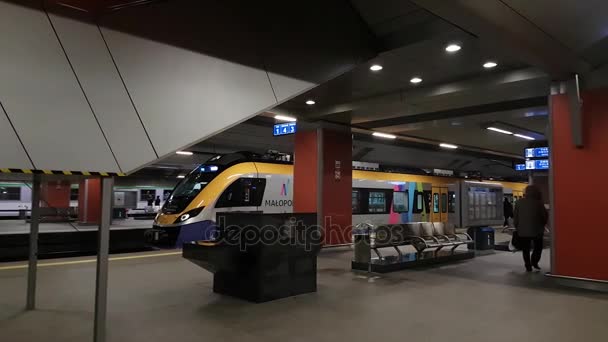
x: 284, y: 129
x: 542, y: 164
x: 537, y: 152
x: 520, y: 167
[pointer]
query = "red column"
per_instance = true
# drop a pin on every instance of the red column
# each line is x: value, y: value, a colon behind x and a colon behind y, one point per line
x: 579, y: 175
x: 55, y: 194
x: 89, y: 201
x: 323, y: 165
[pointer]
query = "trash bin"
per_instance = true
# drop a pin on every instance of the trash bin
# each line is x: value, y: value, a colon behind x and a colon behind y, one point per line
x: 483, y: 237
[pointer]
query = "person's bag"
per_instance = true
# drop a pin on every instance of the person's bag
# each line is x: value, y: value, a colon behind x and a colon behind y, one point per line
x: 515, y: 243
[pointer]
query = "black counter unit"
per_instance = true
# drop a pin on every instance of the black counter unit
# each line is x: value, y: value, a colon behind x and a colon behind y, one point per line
x: 260, y: 257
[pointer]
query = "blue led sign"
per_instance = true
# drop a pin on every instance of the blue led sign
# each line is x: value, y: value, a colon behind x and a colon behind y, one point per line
x: 284, y: 129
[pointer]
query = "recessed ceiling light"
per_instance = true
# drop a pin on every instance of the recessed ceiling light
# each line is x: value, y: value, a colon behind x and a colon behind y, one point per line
x: 499, y: 130
x: 310, y: 102
x: 185, y: 153
x: 375, y: 67
x: 181, y: 176
x: 524, y: 136
x: 416, y: 80
x: 490, y: 65
x: 453, y: 48
x: 450, y: 146
x: 384, y: 135
x: 285, y: 118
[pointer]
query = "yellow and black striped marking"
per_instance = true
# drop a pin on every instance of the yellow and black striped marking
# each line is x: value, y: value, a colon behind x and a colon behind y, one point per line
x: 64, y: 173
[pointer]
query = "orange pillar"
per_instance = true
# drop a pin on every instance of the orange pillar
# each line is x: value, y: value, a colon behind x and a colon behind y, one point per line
x: 323, y: 180
x: 55, y: 194
x: 89, y: 201
x: 579, y: 202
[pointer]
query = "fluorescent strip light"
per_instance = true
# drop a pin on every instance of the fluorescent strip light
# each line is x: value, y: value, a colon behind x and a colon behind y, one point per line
x: 524, y: 136
x: 310, y: 102
x: 185, y: 153
x: 450, y: 146
x: 181, y: 176
x: 375, y: 67
x: 384, y: 135
x: 499, y: 130
x: 453, y: 48
x: 285, y: 118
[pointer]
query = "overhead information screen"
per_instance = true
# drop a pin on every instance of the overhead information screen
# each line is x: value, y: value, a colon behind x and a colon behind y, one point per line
x: 284, y: 128
x: 537, y: 152
x: 520, y: 167
x: 542, y: 164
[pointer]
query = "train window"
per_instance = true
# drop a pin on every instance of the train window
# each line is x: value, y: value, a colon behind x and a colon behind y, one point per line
x: 451, y: 202
x: 427, y: 201
x: 418, y: 202
x: 356, y: 202
x: 10, y: 193
x: 147, y: 194
x: 401, y: 201
x: 444, y: 203
x: 74, y: 194
x: 244, y: 192
x: 166, y: 194
x: 377, y: 202
x: 435, y: 203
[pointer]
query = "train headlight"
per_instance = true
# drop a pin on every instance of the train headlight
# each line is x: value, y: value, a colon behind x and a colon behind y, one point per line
x: 189, y: 214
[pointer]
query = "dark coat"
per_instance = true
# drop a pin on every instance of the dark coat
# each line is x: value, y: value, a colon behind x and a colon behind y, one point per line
x: 507, y: 208
x: 530, y: 217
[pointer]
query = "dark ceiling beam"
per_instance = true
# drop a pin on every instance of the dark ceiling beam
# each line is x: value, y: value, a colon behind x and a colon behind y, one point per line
x: 361, y: 134
x: 502, y: 27
x: 458, y: 112
x: 491, y: 88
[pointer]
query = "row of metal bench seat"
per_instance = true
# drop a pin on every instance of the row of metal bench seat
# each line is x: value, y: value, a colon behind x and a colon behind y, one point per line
x: 420, y: 235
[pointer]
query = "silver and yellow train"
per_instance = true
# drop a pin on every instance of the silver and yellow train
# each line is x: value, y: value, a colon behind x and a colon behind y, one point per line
x: 241, y: 182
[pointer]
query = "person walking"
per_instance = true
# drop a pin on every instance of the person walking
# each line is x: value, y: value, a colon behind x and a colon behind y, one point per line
x: 507, y: 211
x: 157, y: 201
x: 530, y: 218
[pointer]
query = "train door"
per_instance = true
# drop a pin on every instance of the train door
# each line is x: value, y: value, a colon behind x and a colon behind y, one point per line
x: 439, y: 206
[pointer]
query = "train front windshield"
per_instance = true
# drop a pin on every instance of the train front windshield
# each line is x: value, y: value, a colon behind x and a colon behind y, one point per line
x: 189, y: 188
x: 197, y: 180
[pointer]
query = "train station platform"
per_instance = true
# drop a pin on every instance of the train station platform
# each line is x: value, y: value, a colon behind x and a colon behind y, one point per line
x: 160, y: 296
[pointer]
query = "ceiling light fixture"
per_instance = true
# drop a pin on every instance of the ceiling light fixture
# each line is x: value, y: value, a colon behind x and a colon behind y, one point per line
x: 499, y: 130
x: 185, y: 153
x: 416, y: 80
x: 285, y: 118
x: 490, y: 65
x: 453, y: 48
x: 527, y: 137
x: 384, y: 135
x: 310, y: 102
x: 450, y: 146
x: 375, y: 67
x: 181, y: 176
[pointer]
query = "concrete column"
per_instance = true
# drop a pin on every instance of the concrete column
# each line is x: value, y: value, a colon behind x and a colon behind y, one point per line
x: 323, y: 180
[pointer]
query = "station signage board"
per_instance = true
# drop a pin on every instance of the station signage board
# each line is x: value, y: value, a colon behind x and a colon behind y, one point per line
x: 284, y: 129
x: 541, y: 164
x: 537, y: 152
x: 520, y: 167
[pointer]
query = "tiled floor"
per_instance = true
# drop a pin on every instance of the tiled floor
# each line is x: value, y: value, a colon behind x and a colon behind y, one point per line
x: 166, y: 298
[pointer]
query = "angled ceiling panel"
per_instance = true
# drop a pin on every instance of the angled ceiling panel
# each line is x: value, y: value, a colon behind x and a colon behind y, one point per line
x: 184, y: 96
x: 104, y: 88
x: 43, y: 99
x: 12, y: 154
